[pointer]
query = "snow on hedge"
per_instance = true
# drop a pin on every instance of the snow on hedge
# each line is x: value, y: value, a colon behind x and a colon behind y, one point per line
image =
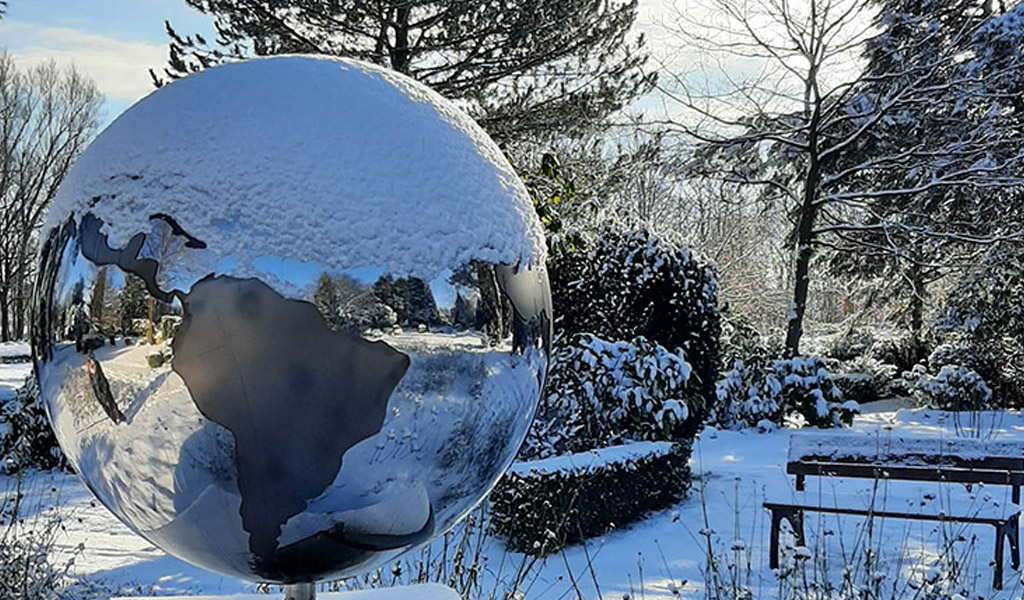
x: 593, y: 459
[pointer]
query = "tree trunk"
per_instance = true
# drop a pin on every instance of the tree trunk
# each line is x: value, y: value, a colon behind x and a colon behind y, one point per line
x: 149, y: 323
x: 18, y: 313
x: 798, y: 306
x: 804, y: 235
x: 4, y: 325
x: 401, y: 56
x: 916, y: 310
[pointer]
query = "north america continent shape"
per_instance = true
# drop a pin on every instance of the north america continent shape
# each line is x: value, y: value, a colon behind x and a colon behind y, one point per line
x: 295, y: 395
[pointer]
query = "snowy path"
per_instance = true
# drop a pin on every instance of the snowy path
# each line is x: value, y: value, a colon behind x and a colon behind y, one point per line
x: 735, y: 472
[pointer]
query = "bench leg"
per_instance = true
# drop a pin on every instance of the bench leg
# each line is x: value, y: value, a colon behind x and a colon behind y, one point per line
x: 1016, y: 494
x: 773, y: 550
x: 1007, y: 532
x: 997, y: 581
x: 1013, y: 534
x: 795, y: 517
x: 796, y: 521
x: 800, y: 482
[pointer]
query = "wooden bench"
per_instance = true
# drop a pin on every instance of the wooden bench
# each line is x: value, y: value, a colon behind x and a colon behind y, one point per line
x: 929, y: 460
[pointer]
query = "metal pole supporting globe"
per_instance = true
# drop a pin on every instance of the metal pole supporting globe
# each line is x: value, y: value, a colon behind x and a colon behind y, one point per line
x: 291, y: 317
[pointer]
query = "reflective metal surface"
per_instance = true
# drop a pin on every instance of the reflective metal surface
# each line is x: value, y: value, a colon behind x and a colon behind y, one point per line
x: 282, y: 433
x: 284, y: 439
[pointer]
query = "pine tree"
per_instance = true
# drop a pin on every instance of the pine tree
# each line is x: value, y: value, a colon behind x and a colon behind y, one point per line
x: 918, y: 231
x: 524, y: 69
x: 325, y: 298
x: 133, y: 302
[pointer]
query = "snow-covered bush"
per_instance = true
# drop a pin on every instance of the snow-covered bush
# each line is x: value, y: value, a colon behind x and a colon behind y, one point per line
x: 540, y: 507
x: 851, y: 344
x: 602, y: 393
x: 982, y: 323
x: 864, y: 379
x: 955, y: 387
x: 899, y: 348
x: 26, y: 439
x: 963, y: 352
x: 625, y: 285
x: 797, y: 390
x: 739, y: 340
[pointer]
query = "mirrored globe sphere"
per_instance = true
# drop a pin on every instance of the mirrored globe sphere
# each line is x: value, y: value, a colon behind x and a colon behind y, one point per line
x: 292, y: 317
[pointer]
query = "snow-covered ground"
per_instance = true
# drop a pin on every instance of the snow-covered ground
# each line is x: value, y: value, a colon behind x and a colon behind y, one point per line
x: 665, y: 555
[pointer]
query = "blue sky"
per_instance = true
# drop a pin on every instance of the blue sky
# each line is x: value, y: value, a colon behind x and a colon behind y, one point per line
x: 114, y: 41
x: 117, y: 41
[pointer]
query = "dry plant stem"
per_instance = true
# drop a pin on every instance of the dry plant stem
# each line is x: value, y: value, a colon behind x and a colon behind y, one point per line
x: 572, y: 578
x: 593, y: 575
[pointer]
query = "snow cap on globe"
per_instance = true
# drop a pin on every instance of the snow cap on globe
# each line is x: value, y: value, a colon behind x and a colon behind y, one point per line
x: 292, y: 317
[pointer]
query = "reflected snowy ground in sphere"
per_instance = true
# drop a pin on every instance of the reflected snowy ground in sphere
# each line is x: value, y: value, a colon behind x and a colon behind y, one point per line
x: 286, y: 412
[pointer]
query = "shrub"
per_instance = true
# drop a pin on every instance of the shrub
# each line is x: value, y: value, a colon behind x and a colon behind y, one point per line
x: 625, y: 285
x: 851, y: 344
x: 983, y: 319
x: 603, y: 393
x: 955, y: 387
x: 964, y: 352
x: 26, y: 438
x: 865, y: 379
x: 541, y: 507
x: 27, y: 538
x: 899, y: 348
x: 797, y: 389
x: 739, y: 340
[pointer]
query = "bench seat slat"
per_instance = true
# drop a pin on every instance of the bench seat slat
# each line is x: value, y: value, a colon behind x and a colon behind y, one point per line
x: 920, y: 460
x: 905, y: 472
x: 891, y: 514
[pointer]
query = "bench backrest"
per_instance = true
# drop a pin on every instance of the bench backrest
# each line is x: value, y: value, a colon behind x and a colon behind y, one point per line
x: 992, y: 463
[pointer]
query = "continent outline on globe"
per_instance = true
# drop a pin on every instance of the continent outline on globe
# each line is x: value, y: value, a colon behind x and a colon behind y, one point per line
x: 258, y: 420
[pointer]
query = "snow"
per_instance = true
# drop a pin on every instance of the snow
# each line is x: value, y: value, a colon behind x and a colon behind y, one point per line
x: 884, y: 446
x: 307, y: 160
x: 426, y: 591
x: 734, y: 472
x: 14, y: 349
x: 592, y: 460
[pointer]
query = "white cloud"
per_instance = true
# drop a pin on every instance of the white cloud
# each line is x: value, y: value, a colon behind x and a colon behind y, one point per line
x: 120, y: 68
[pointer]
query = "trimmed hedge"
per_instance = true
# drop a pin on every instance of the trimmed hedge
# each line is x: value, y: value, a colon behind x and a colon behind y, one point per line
x: 541, y: 506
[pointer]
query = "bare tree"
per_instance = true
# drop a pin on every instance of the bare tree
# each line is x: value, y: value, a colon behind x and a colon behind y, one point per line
x: 47, y: 116
x: 782, y: 105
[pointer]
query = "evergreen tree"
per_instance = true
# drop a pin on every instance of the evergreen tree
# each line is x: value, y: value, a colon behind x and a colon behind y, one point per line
x: 133, y: 301
x: 921, y: 228
x: 96, y: 302
x: 524, y: 69
x: 326, y: 300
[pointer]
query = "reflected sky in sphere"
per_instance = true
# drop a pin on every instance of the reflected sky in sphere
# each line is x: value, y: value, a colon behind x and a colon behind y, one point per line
x: 260, y: 371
